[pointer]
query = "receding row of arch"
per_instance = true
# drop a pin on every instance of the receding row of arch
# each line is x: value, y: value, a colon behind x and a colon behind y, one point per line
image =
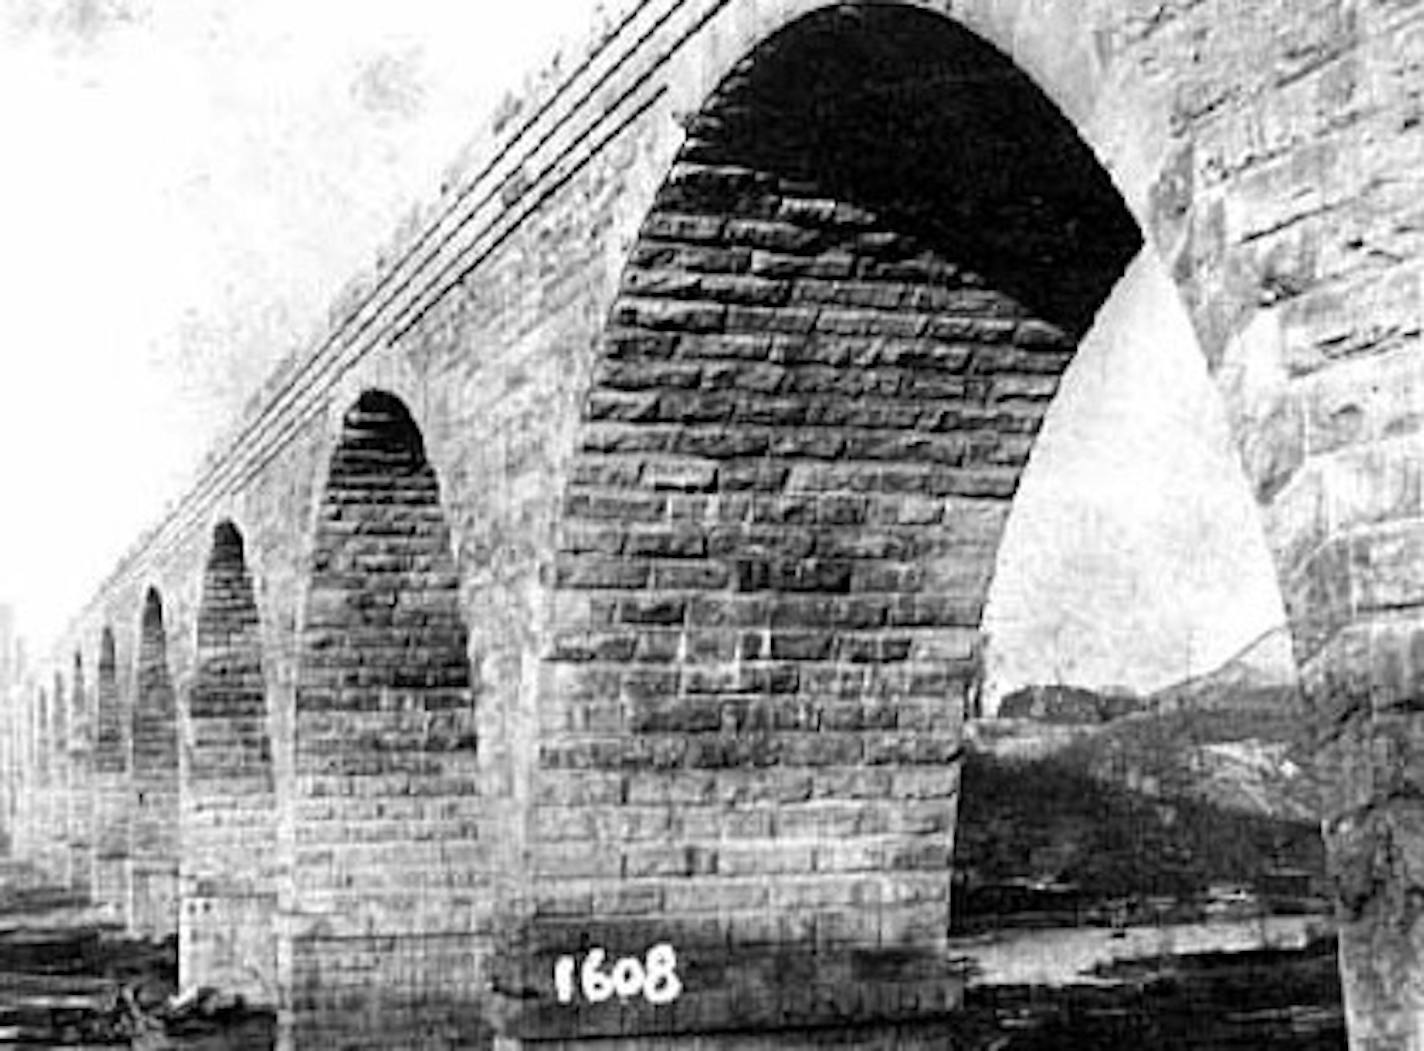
x: 174, y: 827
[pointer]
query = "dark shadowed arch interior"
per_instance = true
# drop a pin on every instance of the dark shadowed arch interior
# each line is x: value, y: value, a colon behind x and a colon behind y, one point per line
x: 231, y: 747
x: 112, y: 790
x: 59, y: 771
x: 110, y: 755
x: 41, y: 737
x: 839, y: 329
x: 155, y: 842
x: 81, y: 802
x: 388, y: 859
x: 59, y: 751
x: 229, y: 821
x: 78, y: 698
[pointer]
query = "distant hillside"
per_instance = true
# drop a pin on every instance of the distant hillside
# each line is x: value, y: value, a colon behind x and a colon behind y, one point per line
x: 1208, y: 780
x: 1256, y: 677
x: 1050, y: 824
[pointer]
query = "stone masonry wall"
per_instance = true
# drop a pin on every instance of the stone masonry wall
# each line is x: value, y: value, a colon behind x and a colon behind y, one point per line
x: 609, y: 278
x: 229, y: 864
x: 833, y: 345
x: 81, y: 856
x: 153, y: 854
x: 111, y: 791
x: 391, y: 875
x: 59, y: 776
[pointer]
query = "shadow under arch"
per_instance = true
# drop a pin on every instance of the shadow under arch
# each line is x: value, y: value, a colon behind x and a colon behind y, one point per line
x: 832, y: 348
x: 228, y: 877
x: 41, y: 746
x: 112, y: 787
x: 60, y: 776
x: 81, y: 785
x: 155, y: 829
x: 390, y: 867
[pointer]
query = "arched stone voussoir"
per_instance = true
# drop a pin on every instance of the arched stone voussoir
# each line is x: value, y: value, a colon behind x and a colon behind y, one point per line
x: 155, y: 837
x: 112, y: 787
x: 391, y: 870
x: 230, y: 865
x: 835, y: 337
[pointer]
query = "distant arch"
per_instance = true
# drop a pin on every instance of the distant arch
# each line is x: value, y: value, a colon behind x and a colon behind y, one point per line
x: 113, y: 791
x: 389, y: 859
x: 41, y: 736
x: 42, y: 739
x: 229, y: 817
x: 110, y: 756
x: 81, y: 781
x: 57, y: 826
x: 59, y: 747
x: 155, y: 839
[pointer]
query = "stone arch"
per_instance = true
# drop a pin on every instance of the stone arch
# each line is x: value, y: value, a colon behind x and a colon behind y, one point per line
x: 57, y: 826
x: 390, y: 873
x: 42, y: 792
x: 229, y: 805
x: 112, y: 788
x: 835, y: 338
x: 156, y: 838
x: 81, y: 782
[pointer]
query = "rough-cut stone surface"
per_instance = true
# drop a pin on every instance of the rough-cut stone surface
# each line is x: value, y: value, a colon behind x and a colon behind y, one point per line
x: 81, y: 792
x: 228, y: 865
x: 58, y: 801
x: 155, y: 836
x: 726, y: 347
x: 832, y: 346
x: 111, y: 793
x: 390, y: 873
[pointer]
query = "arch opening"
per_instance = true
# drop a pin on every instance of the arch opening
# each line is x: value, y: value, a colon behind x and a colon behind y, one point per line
x: 112, y: 787
x: 81, y: 785
x: 389, y: 864
x: 58, y: 805
x: 835, y: 339
x: 229, y: 826
x: 155, y: 830
x: 41, y: 744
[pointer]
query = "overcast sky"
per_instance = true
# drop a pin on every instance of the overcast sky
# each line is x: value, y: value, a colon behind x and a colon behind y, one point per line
x: 187, y: 183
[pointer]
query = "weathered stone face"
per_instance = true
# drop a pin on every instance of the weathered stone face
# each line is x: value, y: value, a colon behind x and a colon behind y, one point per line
x: 228, y: 861
x: 832, y: 347
x: 111, y: 793
x: 389, y: 867
x: 666, y: 459
x: 155, y: 838
x: 81, y: 789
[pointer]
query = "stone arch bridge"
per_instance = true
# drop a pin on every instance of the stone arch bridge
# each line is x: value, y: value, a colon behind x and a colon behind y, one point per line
x: 611, y: 572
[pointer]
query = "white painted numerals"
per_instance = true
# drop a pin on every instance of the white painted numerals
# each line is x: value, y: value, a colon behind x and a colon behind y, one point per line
x: 655, y: 977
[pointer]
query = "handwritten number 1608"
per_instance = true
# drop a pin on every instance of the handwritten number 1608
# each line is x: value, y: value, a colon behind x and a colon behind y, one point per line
x: 655, y: 977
